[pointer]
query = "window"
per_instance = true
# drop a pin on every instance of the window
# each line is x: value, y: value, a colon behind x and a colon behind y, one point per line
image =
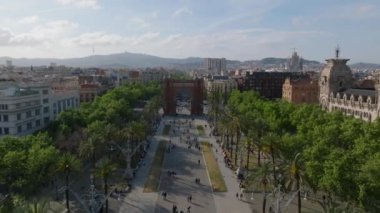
x: 45, y: 91
x: 46, y: 120
x: 19, y: 116
x: 37, y: 112
x: 19, y: 129
x: 3, y: 106
x: 5, y: 118
x: 18, y: 105
x: 28, y: 114
x: 6, y: 130
x: 38, y: 122
x: 46, y: 109
x: 1, y: 131
x: 45, y: 100
x: 29, y: 125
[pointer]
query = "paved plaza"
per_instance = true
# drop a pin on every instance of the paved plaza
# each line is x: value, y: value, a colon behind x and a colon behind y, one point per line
x: 188, y: 164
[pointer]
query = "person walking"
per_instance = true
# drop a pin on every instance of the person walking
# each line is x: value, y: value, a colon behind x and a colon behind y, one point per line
x: 237, y: 195
x: 190, y: 198
x: 188, y: 209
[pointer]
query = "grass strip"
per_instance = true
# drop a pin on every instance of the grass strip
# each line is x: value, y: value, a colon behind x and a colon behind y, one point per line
x: 217, y: 181
x: 166, y: 129
x: 201, y: 130
x: 153, y: 180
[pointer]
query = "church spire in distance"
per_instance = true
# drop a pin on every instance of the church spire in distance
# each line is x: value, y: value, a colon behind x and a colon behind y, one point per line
x: 337, y: 51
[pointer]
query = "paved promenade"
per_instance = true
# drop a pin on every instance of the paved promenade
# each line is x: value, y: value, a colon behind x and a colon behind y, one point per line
x: 225, y: 201
x: 184, y: 162
x: 138, y: 201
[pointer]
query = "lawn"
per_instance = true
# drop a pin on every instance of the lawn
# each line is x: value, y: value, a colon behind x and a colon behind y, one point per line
x: 217, y: 181
x: 201, y: 130
x: 153, y: 180
x: 166, y: 129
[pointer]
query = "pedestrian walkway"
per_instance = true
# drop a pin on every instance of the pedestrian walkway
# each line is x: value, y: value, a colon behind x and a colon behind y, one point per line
x: 138, y: 201
x: 225, y: 202
x: 186, y: 161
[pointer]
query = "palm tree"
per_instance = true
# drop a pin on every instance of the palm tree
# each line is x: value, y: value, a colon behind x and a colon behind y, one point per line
x: 248, y: 145
x: 39, y: 206
x: 235, y: 128
x: 262, y: 176
x: 95, y: 143
x: 65, y: 165
x: 295, y: 175
x: 223, y: 129
x: 214, y: 110
x: 104, y: 170
x: 270, y: 145
x: 260, y: 127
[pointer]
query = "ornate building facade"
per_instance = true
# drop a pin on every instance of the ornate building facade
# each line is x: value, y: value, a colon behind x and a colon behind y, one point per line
x: 338, y: 92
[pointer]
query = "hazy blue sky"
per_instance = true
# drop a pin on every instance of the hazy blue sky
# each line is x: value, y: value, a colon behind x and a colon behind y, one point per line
x: 235, y: 29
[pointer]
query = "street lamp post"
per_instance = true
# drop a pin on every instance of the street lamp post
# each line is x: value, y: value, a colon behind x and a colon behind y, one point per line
x: 67, y: 171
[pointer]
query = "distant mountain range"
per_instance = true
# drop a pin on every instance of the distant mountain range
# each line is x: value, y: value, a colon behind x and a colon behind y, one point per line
x: 136, y: 60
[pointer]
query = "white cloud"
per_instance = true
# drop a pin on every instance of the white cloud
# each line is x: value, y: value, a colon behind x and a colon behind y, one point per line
x: 107, y: 39
x: 140, y: 23
x: 98, y: 39
x: 355, y: 12
x: 297, y: 21
x: 29, y: 20
x: 93, y: 4
x: 5, y: 36
x: 154, y: 15
x: 49, y: 32
x: 234, y: 44
x: 144, y: 38
x: 365, y: 8
x: 181, y: 12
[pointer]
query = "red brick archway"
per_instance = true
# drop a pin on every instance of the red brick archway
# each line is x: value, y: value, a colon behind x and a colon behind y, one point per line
x: 172, y: 87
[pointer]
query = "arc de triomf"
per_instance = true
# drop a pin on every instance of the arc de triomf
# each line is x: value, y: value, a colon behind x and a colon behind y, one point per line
x: 173, y: 87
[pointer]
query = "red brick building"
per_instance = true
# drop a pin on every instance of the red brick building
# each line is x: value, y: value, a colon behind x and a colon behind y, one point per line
x: 300, y: 91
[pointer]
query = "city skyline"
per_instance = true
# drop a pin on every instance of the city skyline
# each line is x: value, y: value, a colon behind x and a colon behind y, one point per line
x: 234, y: 29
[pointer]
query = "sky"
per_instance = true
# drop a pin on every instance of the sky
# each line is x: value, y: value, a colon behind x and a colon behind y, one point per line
x: 234, y: 29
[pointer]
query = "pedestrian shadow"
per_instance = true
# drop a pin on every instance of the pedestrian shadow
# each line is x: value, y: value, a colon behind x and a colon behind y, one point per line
x: 197, y: 204
x: 246, y: 201
x: 132, y: 205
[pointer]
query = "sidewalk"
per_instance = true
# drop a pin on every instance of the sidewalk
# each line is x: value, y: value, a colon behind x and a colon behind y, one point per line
x: 136, y: 200
x: 225, y: 201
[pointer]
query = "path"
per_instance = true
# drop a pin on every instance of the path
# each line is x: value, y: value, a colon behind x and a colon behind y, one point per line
x: 225, y: 201
x: 138, y: 201
x: 184, y: 162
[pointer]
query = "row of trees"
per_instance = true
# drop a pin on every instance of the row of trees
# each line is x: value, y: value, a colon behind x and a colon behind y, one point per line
x: 329, y: 153
x: 78, y: 135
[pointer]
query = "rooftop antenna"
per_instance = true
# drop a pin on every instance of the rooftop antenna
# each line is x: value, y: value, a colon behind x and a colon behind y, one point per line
x: 337, y: 51
x: 93, y: 51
